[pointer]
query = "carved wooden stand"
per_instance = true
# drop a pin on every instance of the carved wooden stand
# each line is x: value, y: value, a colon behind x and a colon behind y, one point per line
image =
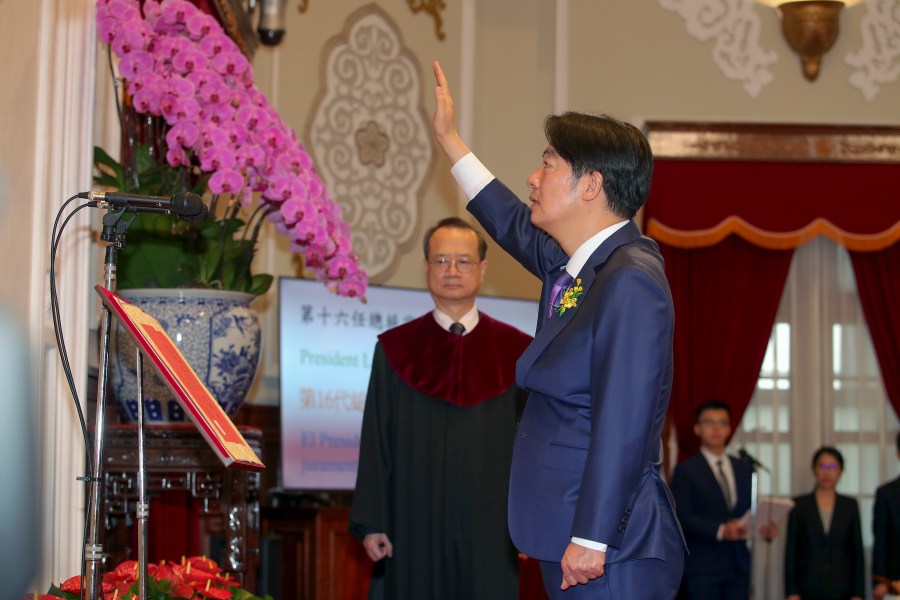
x: 177, y: 458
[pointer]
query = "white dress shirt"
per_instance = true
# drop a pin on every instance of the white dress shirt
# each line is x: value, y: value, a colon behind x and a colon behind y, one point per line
x: 713, y: 461
x: 468, y: 320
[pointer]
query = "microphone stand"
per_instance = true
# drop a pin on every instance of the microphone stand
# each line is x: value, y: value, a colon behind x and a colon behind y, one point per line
x: 755, y: 465
x: 113, y: 233
x: 143, y: 506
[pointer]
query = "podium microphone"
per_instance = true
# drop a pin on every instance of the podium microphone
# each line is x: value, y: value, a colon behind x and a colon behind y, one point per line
x: 186, y: 205
x: 748, y: 458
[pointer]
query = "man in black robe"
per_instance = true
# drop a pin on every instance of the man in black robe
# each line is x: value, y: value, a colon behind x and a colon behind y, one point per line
x: 436, y: 446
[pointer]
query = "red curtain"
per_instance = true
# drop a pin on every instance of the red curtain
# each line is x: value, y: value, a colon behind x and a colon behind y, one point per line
x: 878, y: 285
x: 697, y: 203
x: 725, y: 297
x: 727, y: 230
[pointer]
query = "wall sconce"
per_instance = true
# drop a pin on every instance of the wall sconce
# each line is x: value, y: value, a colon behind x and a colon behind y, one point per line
x: 271, y: 20
x: 811, y: 27
x: 237, y: 16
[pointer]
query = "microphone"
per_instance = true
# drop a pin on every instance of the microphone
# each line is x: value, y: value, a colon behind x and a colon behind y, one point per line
x: 186, y: 205
x: 748, y: 458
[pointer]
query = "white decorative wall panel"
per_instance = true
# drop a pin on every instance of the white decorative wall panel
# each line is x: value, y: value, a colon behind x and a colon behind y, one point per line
x: 370, y: 137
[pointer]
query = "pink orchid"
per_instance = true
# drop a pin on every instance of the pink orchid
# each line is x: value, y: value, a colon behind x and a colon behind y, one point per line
x: 230, y: 63
x: 183, y: 133
x: 189, y: 59
x: 179, y: 64
x: 215, y: 43
x: 200, y: 25
x: 135, y: 63
x: 226, y: 181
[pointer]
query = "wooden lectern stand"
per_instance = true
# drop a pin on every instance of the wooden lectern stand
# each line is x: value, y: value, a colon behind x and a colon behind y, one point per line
x: 177, y: 459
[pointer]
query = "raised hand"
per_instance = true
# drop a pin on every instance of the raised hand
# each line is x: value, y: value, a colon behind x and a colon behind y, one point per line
x: 444, y: 121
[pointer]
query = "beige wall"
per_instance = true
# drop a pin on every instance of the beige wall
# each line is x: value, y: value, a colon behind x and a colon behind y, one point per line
x: 632, y: 59
x: 641, y: 63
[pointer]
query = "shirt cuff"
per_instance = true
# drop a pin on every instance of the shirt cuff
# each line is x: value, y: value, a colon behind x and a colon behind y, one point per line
x: 471, y: 175
x: 589, y: 544
x: 720, y: 532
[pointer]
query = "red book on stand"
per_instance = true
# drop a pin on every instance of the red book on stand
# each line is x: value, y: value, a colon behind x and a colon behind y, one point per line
x: 196, y: 400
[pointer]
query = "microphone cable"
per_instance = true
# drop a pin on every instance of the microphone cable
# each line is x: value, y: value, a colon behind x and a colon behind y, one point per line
x: 64, y: 358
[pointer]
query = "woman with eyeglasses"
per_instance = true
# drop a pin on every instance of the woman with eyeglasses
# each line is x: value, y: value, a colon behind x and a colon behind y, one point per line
x: 823, y: 559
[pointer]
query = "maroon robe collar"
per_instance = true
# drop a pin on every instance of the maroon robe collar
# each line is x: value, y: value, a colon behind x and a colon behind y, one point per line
x: 464, y: 370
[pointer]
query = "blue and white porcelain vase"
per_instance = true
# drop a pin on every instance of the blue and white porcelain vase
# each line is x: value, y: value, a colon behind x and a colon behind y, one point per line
x: 216, y: 331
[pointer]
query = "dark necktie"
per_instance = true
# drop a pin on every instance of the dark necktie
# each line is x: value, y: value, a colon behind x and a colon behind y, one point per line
x: 556, y: 292
x: 723, y: 483
x: 458, y: 328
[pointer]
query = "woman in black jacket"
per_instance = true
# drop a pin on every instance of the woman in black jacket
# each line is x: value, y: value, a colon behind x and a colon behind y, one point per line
x: 824, y: 553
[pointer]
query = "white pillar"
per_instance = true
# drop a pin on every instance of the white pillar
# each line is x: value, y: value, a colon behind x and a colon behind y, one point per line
x: 46, y: 115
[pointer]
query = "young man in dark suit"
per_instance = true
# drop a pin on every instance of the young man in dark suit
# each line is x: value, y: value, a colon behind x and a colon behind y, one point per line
x: 712, y: 493
x: 586, y: 497
x: 886, y: 527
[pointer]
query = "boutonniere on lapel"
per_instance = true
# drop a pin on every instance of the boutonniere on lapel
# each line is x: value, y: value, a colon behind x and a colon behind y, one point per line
x: 570, y: 298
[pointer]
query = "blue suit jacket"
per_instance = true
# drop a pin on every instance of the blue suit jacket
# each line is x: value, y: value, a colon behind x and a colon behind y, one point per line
x: 701, y: 509
x: 588, y: 447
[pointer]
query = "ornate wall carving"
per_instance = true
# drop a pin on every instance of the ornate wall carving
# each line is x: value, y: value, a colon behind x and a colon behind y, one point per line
x: 734, y: 25
x: 878, y: 61
x: 370, y: 136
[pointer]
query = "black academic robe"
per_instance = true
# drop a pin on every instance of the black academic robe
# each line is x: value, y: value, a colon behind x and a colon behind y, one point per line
x: 435, y: 450
x: 819, y: 565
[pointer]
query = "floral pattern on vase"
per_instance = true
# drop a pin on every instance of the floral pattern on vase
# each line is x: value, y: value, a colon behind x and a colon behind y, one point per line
x: 216, y: 331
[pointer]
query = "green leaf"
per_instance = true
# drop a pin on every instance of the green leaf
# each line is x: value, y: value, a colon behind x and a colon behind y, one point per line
x: 164, y: 251
x: 261, y: 284
x: 115, y: 180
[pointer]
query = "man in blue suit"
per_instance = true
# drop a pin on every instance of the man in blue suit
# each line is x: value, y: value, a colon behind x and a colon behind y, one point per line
x: 585, y: 495
x: 712, y: 492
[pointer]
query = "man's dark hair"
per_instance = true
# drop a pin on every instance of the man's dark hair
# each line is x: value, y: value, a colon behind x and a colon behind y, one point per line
x: 828, y: 450
x: 456, y: 223
x: 711, y: 405
x: 617, y: 150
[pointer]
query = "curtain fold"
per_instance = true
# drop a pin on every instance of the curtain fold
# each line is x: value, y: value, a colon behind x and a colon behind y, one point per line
x: 878, y: 286
x: 697, y: 203
x: 726, y: 298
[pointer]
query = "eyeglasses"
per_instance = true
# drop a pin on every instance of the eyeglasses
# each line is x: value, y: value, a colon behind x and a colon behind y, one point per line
x: 828, y: 466
x: 463, y: 265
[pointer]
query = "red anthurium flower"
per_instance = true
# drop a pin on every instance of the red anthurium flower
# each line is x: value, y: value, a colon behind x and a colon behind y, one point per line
x: 215, y: 593
x: 73, y: 585
x: 197, y: 576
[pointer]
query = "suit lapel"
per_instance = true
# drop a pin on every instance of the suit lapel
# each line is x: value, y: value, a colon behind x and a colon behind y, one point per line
x: 588, y: 275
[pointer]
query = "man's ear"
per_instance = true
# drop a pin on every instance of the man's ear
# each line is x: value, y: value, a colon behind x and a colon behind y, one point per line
x: 594, y: 185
